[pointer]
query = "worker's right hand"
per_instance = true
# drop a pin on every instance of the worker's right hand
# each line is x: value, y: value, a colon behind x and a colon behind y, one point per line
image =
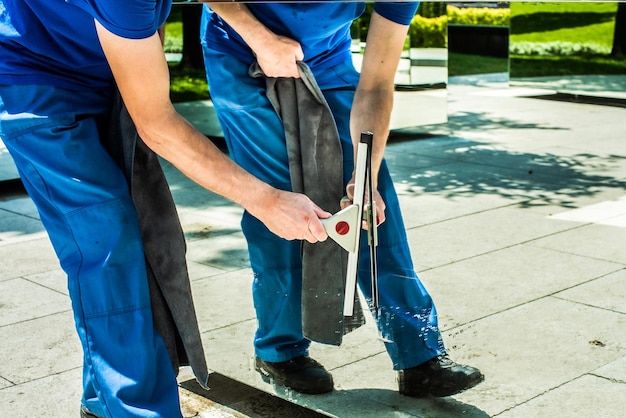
x: 292, y: 216
x: 278, y: 59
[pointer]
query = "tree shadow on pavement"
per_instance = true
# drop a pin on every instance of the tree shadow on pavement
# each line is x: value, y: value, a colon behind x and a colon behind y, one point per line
x: 452, y: 166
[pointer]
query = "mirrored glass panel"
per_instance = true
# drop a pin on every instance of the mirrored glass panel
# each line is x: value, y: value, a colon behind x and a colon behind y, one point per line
x: 572, y: 48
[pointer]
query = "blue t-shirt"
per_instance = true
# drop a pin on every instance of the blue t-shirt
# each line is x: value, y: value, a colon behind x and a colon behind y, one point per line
x: 55, y: 42
x: 322, y: 28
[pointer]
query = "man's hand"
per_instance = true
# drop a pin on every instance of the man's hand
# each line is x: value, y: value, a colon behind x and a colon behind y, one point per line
x: 378, y: 199
x: 276, y: 55
x: 291, y: 216
x: 278, y: 58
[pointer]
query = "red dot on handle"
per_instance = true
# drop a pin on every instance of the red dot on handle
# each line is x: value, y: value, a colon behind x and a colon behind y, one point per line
x: 342, y: 228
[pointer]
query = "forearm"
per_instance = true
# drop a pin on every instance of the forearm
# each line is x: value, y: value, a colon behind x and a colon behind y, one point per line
x: 239, y: 17
x: 276, y: 55
x: 177, y: 141
x: 142, y: 77
x: 373, y: 100
x: 371, y: 111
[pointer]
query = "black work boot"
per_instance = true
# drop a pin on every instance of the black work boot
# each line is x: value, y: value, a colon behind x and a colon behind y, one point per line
x: 438, y: 377
x: 85, y: 413
x: 302, y: 374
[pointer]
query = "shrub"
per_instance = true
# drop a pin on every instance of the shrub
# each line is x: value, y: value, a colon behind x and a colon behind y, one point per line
x: 558, y: 49
x: 479, y: 16
x: 431, y: 32
x: 173, y: 37
x: 427, y: 32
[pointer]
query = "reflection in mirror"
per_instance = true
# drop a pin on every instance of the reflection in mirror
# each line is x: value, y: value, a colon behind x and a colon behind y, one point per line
x: 571, y: 48
x: 422, y: 76
x: 421, y: 79
x: 478, y: 40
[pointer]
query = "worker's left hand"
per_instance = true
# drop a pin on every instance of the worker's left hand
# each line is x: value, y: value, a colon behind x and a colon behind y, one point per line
x: 378, y: 199
x: 279, y: 58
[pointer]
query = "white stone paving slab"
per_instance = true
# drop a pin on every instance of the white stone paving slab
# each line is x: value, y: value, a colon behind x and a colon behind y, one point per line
x: 223, y: 300
x: 209, y: 223
x: 587, y: 396
x: 421, y: 208
x: 22, y: 300
x: 599, y: 241
x: 229, y: 252
x: 201, y: 271
x: 607, y: 292
x: 54, y: 396
x: 469, y: 236
x: 190, y: 196
x: 54, y: 279
x: 496, y: 281
x: 202, y: 115
x: 28, y: 257
x: 529, y: 350
x: 229, y: 350
x: 40, y: 347
x: 615, y: 371
x: 603, y: 213
x: 592, y: 195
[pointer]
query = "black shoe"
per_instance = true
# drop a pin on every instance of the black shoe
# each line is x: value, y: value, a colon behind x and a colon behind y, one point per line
x: 85, y: 413
x: 438, y: 377
x: 302, y: 374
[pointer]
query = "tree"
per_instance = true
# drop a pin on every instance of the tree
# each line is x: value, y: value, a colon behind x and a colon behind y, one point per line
x: 619, y: 35
x: 191, y: 14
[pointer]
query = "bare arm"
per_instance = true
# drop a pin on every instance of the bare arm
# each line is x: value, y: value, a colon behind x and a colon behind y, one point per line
x: 141, y: 73
x: 373, y: 100
x: 276, y: 55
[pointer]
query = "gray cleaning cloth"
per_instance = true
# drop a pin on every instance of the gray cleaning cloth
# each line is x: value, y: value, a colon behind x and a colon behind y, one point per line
x: 316, y: 169
x: 163, y: 240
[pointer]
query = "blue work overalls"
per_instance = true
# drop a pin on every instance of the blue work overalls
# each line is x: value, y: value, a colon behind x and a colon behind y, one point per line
x: 255, y: 138
x: 84, y: 204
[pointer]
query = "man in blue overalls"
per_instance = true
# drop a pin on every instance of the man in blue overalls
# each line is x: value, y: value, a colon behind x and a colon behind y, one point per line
x: 277, y: 36
x: 58, y: 60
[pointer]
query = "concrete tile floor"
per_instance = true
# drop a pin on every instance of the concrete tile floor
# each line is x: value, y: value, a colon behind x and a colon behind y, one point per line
x: 515, y: 210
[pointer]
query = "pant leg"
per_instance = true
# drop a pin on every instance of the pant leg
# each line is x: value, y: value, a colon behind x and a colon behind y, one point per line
x: 84, y: 204
x: 256, y: 141
x: 407, y: 318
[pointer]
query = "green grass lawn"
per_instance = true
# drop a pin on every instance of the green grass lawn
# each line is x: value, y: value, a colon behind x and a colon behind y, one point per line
x: 563, y: 22
x: 467, y: 64
x: 559, y: 24
x: 187, y: 84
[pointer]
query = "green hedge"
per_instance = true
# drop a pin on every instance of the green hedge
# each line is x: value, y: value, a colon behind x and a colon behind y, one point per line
x: 558, y: 49
x: 426, y: 32
x: 431, y: 32
x: 479, y: 16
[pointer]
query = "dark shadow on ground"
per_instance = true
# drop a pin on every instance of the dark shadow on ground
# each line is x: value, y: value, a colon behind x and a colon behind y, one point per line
x: 248, y: 400
x: 256, y: 403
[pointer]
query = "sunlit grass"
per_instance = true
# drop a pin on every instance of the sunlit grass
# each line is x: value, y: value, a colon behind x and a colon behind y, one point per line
x: 466, y: 64
x: 187, y: 84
